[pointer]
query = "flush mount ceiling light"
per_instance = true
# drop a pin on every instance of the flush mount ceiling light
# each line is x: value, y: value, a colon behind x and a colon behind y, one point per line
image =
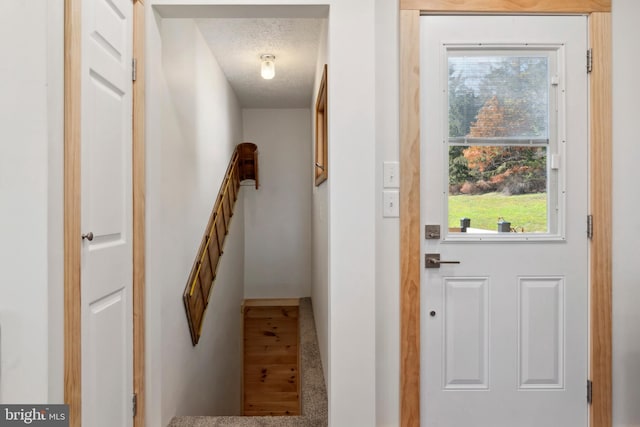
x: 268, y: 69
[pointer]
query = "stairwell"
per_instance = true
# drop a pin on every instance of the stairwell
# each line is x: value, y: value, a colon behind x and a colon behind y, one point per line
x: 301, y: 400
x: 313, y: 397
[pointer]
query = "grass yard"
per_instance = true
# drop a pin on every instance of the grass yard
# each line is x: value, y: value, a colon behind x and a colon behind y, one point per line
x: 527, y: 210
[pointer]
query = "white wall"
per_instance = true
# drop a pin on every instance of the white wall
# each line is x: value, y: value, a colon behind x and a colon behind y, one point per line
x: 626, y: 206
x: 320, y: 223
x: 55, y: 106
x: 30, y: 172
x: 193, y: 124
x: 387, y: 229
x: 278, y: 215
x: 352, y: 197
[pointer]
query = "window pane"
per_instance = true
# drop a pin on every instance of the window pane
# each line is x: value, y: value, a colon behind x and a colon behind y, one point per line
x: 490, y: 184
x: 498, y: 96
x: 499, y: 141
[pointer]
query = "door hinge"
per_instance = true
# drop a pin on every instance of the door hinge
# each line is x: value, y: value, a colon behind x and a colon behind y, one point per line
x: 589, y: 392
x: 589, y: 60
x: 589, y: 227
x: 134, y: 69
x: 134, y: 404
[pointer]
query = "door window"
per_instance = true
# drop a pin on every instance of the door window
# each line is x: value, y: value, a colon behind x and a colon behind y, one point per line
x: 502, y: 156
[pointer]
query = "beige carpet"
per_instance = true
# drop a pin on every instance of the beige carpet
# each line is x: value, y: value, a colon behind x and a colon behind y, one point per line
x: 314, y: 393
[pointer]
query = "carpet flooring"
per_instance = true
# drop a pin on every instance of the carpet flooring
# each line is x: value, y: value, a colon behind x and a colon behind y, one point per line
x: 314, y: 393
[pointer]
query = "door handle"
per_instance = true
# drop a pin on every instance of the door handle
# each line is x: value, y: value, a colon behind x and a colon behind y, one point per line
x: 88, y: 236
x: 434, y: 261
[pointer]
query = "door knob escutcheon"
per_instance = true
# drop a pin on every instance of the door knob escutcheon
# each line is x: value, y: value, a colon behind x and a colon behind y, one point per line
x: 434, y: 261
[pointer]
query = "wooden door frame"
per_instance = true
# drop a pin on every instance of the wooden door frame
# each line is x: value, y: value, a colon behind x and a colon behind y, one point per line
x: 72, y: 212
x: 600, y: 186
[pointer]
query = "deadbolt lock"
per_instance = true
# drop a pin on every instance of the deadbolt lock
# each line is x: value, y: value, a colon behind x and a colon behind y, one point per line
x: 432, y: 232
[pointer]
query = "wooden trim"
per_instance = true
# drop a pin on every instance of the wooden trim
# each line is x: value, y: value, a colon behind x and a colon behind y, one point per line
x: 508, y: 6
x: 600, y: 189
x: 321, y: 161
x: 72, y: 213
x: 410, y: 218
x: 138, y: 154
x: 242, y: 335
x: 72, y: 117
x: 273, y: 302
x: 601, y: 132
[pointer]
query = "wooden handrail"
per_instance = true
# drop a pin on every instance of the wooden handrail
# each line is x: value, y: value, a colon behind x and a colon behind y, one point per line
x: 203, y: 272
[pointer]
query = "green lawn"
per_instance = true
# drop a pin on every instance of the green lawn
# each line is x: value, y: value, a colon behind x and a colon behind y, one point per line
x: 526, y: 210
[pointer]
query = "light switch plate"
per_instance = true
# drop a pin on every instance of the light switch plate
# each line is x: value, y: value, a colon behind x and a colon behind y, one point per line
x: 391, y: 204
x: 391, y: 174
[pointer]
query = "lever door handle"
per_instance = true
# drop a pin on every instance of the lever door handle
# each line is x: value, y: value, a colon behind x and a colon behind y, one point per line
x: 434, y: 261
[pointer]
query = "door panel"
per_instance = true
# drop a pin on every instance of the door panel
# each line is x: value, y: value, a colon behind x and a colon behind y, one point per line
x: 466, y: 333
x: 107, y: 361
x: 504, y: 333
x: 107, y: 272
x: 540, y: 333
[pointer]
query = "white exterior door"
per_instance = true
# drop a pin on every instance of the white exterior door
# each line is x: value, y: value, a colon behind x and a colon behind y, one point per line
x: 504, y: 141
x: 107, y: 273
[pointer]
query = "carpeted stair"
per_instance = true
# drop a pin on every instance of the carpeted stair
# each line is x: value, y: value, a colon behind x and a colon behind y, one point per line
x: 314, y: 393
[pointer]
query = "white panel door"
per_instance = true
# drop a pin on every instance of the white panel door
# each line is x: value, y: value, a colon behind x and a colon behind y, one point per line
x: 504, y: 142
x: 107, y: 273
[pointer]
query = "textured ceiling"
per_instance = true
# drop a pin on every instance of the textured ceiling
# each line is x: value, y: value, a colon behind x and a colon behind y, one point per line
x: 238, y: 43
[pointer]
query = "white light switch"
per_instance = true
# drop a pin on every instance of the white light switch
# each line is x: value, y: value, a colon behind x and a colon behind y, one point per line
x: 391, y: 175
x: 391, y: 204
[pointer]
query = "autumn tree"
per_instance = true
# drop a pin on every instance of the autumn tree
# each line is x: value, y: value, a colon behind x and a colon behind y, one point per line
x: 507, y: 168
x: 521, y: 86
x: 515, y: 101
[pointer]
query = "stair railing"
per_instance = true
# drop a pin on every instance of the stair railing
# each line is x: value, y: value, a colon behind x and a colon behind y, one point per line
x: 203, y: 272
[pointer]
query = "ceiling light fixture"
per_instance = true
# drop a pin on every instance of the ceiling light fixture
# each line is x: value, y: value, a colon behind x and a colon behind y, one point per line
x: 268, y: 69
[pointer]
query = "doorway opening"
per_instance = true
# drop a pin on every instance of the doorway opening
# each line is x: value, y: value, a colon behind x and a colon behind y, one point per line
x: 208, y: 97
